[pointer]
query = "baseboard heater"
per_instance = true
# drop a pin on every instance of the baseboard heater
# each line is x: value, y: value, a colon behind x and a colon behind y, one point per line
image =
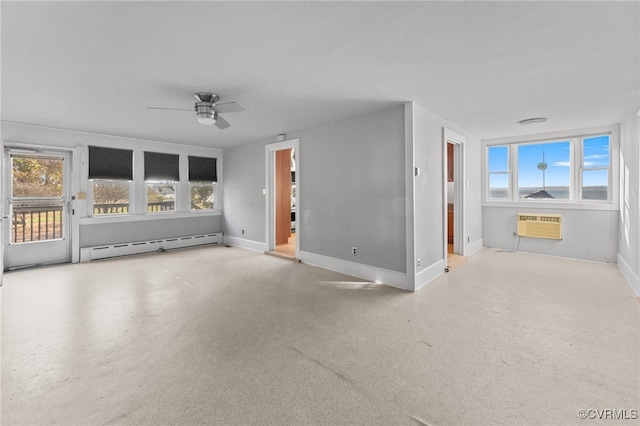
x: 540, y: 225
x: 123, y: 249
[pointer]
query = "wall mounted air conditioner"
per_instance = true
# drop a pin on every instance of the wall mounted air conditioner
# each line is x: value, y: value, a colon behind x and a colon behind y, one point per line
x: 540, y: 225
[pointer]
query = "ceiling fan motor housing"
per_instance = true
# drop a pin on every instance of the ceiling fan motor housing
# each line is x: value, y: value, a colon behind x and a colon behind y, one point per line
x: 204, y: 107
x: 205, y: 114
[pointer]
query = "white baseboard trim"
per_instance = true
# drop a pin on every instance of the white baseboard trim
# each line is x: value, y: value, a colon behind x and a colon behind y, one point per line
x: 244, y: 243
x: 629, y: 274
x: 474, y: 247
x: 430, y: 273
x: 359, y: 270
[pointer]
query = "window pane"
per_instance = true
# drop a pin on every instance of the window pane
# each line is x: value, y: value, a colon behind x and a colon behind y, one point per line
x: 110, y: 197
x: 36, y: 176
x: 161, y: 197
x: 33, y: 221
x: 202, y: 196
x: 499, y: 186
x: 595, y: 184
x: 498, y: 158
x: 596, y: 152
x: 544, y: 171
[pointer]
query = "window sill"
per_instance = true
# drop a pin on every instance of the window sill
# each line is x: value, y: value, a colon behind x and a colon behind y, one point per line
x: 551, y: 205
x: 148, y: 216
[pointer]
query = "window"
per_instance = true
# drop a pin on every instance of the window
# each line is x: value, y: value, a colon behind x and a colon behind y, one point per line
x: 202, y: 182
x: 161, y: 171
x: 110, y: 197
x: 595, y: 168
x: 110, y: 174
x: 202, y: 195
x: 161, y: 197
x: 498, y: 172
x: 574, y: 169
x: 544, y: 171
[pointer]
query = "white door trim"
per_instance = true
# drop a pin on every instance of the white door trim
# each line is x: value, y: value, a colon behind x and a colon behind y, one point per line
x: 449, y: 136
x: 270, y: 184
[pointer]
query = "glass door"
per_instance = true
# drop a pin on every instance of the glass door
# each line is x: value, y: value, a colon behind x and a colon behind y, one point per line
x: 37, y: 230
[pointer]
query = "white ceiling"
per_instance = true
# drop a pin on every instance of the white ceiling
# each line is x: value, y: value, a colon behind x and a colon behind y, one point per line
x: 95, y: 66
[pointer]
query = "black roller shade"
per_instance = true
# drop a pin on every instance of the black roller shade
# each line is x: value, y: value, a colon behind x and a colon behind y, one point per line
x: 203, y: 169
x: 159, y: 166
x: 110, y: 163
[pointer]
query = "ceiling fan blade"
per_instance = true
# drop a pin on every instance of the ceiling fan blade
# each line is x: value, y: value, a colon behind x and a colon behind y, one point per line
x: 171, y: 109
x: 221, y: 123
x: 227, y: 107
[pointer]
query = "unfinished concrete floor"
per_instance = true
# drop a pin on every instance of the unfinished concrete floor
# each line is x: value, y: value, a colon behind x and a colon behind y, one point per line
x: 219, y: 335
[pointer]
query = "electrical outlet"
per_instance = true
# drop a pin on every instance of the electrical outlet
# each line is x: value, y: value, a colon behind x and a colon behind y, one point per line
x: 354, y: 251
x: 242, y: 231
x: 419, y: 263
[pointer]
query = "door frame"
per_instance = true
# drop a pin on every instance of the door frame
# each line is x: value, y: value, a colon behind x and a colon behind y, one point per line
x: 270, y: 185
x: 458, y: 142
x: 70, y: 156
x: 3, y: 216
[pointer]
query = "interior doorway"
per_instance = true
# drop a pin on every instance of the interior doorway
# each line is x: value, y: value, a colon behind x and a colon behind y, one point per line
x: 454, y: 235
x: 283, y: 237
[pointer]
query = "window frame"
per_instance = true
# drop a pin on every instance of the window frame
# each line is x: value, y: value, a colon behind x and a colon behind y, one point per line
x: 576, y: 139
x: 506, y: 172
x: 583, y: 169
x: 138, y: 189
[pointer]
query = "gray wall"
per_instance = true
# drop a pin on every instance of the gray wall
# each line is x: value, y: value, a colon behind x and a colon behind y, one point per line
x: 629, y: 250
x: 244, y: 203
x: 587, y: 234
x: 429, y: 208
x: 352, y: 190
x: 107, y: 233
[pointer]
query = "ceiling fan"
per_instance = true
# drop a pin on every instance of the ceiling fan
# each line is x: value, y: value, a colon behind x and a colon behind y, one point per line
x: 207, y: 109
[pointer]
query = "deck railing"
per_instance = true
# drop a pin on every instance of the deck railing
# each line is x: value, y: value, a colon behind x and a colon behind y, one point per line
x: 30, y: 223
x: 36, y: 224
x: 123, y: 208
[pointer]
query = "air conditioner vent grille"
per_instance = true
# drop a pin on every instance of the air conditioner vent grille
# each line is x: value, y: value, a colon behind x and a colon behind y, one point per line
x: 540, y: 225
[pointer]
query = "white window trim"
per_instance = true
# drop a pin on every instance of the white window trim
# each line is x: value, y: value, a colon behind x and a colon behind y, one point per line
x: 576, y: 137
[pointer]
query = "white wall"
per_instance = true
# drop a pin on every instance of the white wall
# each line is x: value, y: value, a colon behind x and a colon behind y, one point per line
x: 629, y: 233
x: 97, y: 231
x: 429, y: 196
